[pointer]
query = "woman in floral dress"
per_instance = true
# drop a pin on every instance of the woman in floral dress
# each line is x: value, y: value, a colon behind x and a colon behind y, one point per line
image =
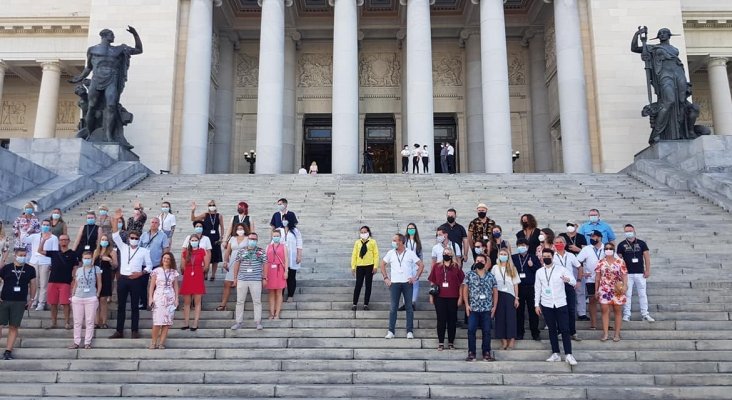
x: 163, y: 299
x: 611, y: 277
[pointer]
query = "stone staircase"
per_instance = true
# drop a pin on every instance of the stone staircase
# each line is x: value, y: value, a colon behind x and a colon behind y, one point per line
x: 321, y: 349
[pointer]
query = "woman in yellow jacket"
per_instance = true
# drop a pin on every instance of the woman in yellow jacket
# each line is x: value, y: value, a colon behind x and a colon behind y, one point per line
x: 364, y: 264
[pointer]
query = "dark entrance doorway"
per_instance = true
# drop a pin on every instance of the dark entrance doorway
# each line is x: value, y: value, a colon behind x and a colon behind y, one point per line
x: 318, y: 142
x: 379, y: 134
x: 445, y: 132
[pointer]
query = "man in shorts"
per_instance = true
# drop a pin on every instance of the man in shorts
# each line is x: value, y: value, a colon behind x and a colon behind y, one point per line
x: 17, y: 279
x: 63, y: 263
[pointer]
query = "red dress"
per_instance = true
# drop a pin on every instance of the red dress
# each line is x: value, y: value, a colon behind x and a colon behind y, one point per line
x: 275, y: 267
x: 193, y: 273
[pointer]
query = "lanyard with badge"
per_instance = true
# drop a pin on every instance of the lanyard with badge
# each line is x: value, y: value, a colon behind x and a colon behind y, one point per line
x: 522, y: 263
x: 167, y: 279
x: 445, y: 283
x: 18, y: 274
x: 89, y: 232
x: 504, y: 285
x: 482, y: 295
x: 213, y: 219
x: 548, y: 289
x: 130, y: 257
x: 632, y: 248
x: 562, y: 260
x: 150, y: 239
x: 88, y: 279
x: 598, y: 253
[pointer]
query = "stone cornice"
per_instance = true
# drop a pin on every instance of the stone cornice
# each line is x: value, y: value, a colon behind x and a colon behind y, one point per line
x: 707, y: 19
x: 44, y: 25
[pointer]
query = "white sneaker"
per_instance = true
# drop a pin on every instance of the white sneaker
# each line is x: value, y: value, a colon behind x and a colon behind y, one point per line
x: 40, y: 307
x: 554, y: 358
x: 648, y: 318
x: 626, y: 319
x: 259, y: 326
x: 236, y: 326
x: 389, y: 335
x: 570, y: 359
x: 410, y: 335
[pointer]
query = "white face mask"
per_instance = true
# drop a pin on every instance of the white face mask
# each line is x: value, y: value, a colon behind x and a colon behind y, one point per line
x: 542, y: 238
x: 285, y: 223
x: 440, y: 239
x: 134, y: 242
x: 571, y: 229
x: 609, y: 252
x: 212, y: 208
x: 240, y: 232
x: 364, y: 236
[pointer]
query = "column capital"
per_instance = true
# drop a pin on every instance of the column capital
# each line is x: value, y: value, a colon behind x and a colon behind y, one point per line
x: 465, y: 34
x: 359, y: 3
x: 717, y: 61
x: 296, y: 37
x: 476, y: 2
x: 288, y: 3
x: 404, y: 2
x: 530, y: 33
x: 50, y: 65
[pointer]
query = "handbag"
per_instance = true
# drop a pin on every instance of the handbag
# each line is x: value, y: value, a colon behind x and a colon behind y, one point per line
x: 434, y: 290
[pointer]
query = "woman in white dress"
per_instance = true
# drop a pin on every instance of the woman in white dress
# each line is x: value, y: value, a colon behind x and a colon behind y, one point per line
x: 236, y: 242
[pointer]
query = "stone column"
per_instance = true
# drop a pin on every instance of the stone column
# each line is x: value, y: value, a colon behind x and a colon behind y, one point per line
x: 573, y: 112
x: 197, y: 87
x: 271, y: 90
x: 224, y: 114
x: 474, y: 102
x: 3, y: 68
x: 541, y: 137
x: 496, y: 98
x: 290, y: 104
x: 721, y: 98
x: 420, y: 107
x: 345, y: 153
x: 48, y: 100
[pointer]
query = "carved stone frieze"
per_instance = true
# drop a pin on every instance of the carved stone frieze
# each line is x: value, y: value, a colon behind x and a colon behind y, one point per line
x: 247, y: 70
x: 516, y: 66
x: 550, y: 49
x: 13, y: 113
x: 447, y: 69
x: 315, y: 70
x: 68, y: 113
x: 215, y: 54
x: 379, y: 70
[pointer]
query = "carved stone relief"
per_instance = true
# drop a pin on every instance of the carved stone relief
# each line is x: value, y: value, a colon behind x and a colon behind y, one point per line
x: 68, y: 113
x: 215, y: 54
x: 12, y: 113
x: 705, y: 107
x: 516, y: 66
x: 315, y: 70
x: 379, y: 70
x: 247, y: 70
x: 550, y: 48
x: 447, y: 69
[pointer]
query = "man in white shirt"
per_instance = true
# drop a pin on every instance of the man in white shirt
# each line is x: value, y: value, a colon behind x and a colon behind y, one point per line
x: 573, y: 292
x: 589, y: 256
x: 40, y: 261
x: 450, y: 158
x: 134, y: 262
x: 550, y: 300
x: 444, y: 243
x: 402, y: 263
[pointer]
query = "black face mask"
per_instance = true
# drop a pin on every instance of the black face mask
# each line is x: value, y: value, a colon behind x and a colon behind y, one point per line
x: 450, y: 220
x: 482, y: 214
x: 446, y: 257
x: 479, y: 265
x: 524, y: 224
x: 547, y: 260
x: 593, y: 242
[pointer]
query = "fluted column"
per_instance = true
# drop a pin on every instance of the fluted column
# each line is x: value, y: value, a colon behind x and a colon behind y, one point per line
x: 48, y: 100
x: 345, y: 86
x: 420, y: 107
x: 541, y: 137
x: 496, y: 98
x: 224, y: 107
x: 474, y: 103
x: 3, y: 68
x: 576, y: 152
x: 721, y: 98
x: 271, y: 90
x: 197, y: 87
x: 290, y: 104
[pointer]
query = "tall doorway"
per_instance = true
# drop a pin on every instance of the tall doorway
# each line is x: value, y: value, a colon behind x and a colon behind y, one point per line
x: 445, y: 132
x: 379, y: 134
x: 318, y: 142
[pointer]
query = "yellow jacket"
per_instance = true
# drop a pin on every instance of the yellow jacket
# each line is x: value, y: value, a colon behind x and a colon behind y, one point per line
x: 370, y: 258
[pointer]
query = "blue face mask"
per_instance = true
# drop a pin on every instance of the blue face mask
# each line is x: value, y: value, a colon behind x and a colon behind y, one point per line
x: 630, y: 235
x: 120, y: 225
x: 594, y: 218
x: 276, y: 239
x: 411, y: 231
x: 503, y: 258
x: 86, y: 261
x: 104, y: 243
x: 198, y: 230
x: 20, y: 260
x: 194, y: 245
x: 56, y: 216
x: 252, y: 243
x: 496, y: 234
x: 393, y: 245
x: 102, y: 212
x: 522, y: 249
x: 29, y: 211
x: 90, y: 221
x: 45, y: 228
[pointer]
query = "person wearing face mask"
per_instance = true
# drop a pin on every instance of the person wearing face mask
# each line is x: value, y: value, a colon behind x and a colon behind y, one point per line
x: 550, y: 300
x: 507, y: 280
x: 63, y: 261
x: 213, y: 227
x: 277, y: 268
x: 575, y: 242
x: 237, y: 242
x: 25, y: 225
x: 404, y: 267
x: 479, y: 248
x: 205, y: 243
x: 637, y: 258
x: 163, y: 298
x: 88, y: 236
x: 293, y: 240
x: 106, y: 259
x: 104, y: 221
x: 457, y: 234
x: 589, y: 257
x: 446, y: 276
x: 249, y: 272
x: 241, y: 217
x: 416, y: 156
x: 282, y: 216
x: 46, y: 241
x: 594, y: 223
x: 526, y: 264
x: 425, y: 159
x: 137, y: 221
x: 405, y: 159
x: 17, y: 280
x: 529, y: 232
x: 364, y: 265
x: 611, y: 277
x: 480, y: 228
x: 442, y: 242
x: 134, y: 262
x: 414, y: 244
x: 58, y: 225
x: 167, y: 220
x: 86, y: 287
x: 569, y: 262
x: 157, y: 242
x: 480, y: 294
x: 496, y: 243
x: 546, y: 239
x: 194, y: 260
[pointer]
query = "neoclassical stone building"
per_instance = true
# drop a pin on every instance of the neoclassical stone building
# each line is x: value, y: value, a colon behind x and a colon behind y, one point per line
x: 316, y: 80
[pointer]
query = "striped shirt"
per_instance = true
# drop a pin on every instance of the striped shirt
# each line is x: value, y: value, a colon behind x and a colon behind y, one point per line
x: 250, y: 263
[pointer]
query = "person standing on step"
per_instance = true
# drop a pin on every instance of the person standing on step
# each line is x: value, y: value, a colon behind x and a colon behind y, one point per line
x: 277, y: 269
x: 596, y: 224
x: 41, y: 262
x: 249, y: 272
x: 451, y: 158
x: 569, y: 262
x: 137, y: 221
x: 167, y: 220
x: 529, y: 232
x: 236, y: 242
x: 425, y: 159
x: 156, y: 241
x: 456, y: 233
x: 414, y: 244
x: 106, y: 259
x: 86, y: 288
x: 204, y: 242
x: 480, y: 228
x: 526, y: 264
x: 282, y: 216
x: 193, y: 265
x: 364, y: 264
x: 18, y: 279
x: 104, y: 221
x: 443, y: 158
x: 213, y: 228
x: 637, y: 258
x: 63, y: 262
x: 405, y: 159
x: 399, y: 278
x: 293, y: 241
x: 611, y: 277
x: 442, y: 242
x: 241, y: 217
x: 416, y: 156
x: 589, y: 257
x: 546, y: 238
x: 550, y: 300
x: 163, y: 299
x: 25, y: 225
x: 313, y: 168
x: 496, y: 243
x: 88, y: 236
x: 480, y: 293
x: 58, y: 225
x: 446, y: 277
x: 132, y: 260
x: 575, y: 242
x: 507, y: 280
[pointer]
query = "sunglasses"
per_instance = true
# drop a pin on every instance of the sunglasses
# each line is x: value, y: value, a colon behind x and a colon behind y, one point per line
x: 133, y: 238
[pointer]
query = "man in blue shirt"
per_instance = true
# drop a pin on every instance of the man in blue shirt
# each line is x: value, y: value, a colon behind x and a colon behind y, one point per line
x: 480, y: 293
x: 283, y: 216
x: 595, y: 224
x: 158, y: 243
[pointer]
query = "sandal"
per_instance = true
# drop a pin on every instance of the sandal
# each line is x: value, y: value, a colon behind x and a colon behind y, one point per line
x: 161, y: 347
x: 221, y: 308
x: 271, y: 316
x: 603, y: 339
x: 152, y: 347
x: 616, y: 339
x: 73, y: 347
x: 67, y: 326
x: 87, y: 346
x: 440, y: 347
x: 451, y: 346
x: 185, y: 328
x: 104, y: 326
x: 592, y: 328
x: 194, y: 329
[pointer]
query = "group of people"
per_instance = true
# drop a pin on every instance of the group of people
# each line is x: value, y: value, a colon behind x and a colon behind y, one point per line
x: 550, y: 276
x: 417, y: 154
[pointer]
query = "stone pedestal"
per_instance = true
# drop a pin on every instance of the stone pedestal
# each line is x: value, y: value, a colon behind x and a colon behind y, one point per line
x: 71, y: 156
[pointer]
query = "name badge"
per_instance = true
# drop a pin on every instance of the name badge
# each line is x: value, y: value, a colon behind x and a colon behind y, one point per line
x: 87, y: 247
x: 16, y: 288
x: 193, y: 273
x: 548, y: 291
x: 213, y: 231
x: 482, y: 297
x: 87, y: 290
x: 485, y: 237
x: 635, y: 260
x: 522, y: 276
x: 250, y: 270
x: 445, y: 284
x: 274, y: 266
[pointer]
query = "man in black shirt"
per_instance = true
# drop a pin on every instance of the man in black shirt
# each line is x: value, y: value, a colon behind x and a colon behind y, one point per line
x: 637, y: 258
x: 63, y: 262
x: 575, y: 242
x: 17, y: 278
x: 526, y: 264
x: 456, y: 233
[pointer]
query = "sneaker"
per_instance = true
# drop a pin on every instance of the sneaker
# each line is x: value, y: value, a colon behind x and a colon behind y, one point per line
x: 554, y: 358
x: 576, y: 338
x: 366, y: 307
x: 648, y: 318
x: 583, y: 318
x: 259, y: 326
x: 570, y: 359
x: 40, y: 307
x: 7, y: 355
x: 410, y: 335
x: 487, y: 357
x: 389, y: 335
x: 236, y: 326
x: 353, y: 307
x: 471, y: 357
x: 626, y: 319
x: 402, y: 308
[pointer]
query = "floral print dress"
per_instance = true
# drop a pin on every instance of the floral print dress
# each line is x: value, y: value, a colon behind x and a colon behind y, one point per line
x: 164, y: 296
x: 610, y: 275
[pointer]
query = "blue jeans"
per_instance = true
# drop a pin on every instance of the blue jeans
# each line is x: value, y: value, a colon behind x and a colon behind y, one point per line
x: 401, y: 289
x: 482, y: 320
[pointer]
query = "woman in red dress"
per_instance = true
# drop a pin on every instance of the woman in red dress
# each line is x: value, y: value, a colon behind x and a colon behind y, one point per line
x: 276, y: 267
x: 194, y: 260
